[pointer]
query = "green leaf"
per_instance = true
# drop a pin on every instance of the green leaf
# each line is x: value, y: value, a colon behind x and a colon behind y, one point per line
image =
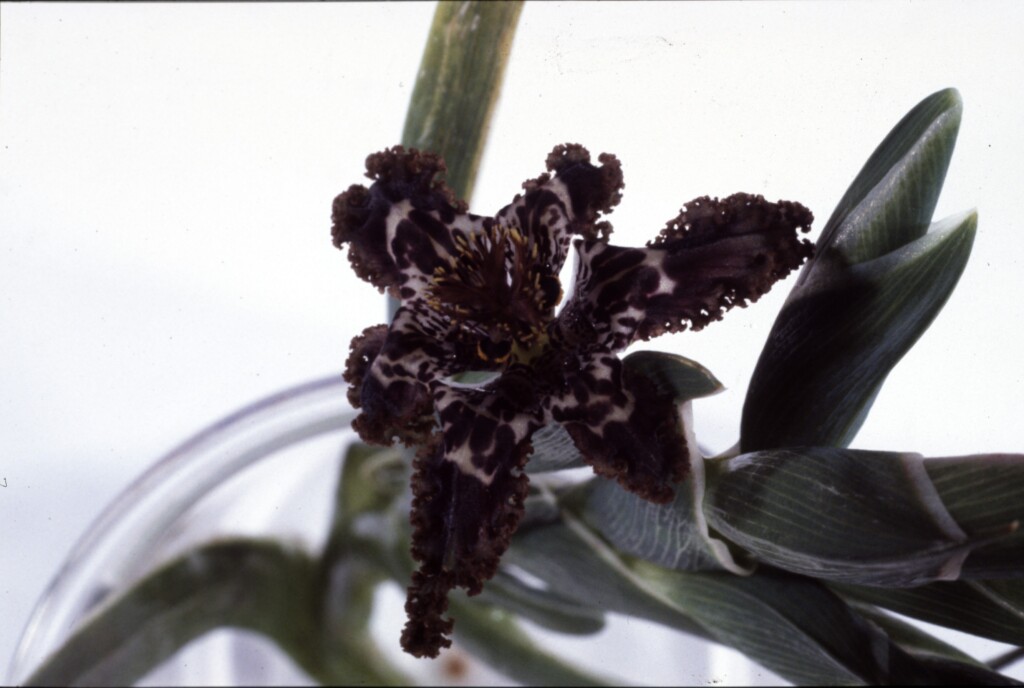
x: 983, y: 493
x: 493, y: 636
x: 911, y: 637
x: 879, y: 277
x: 941, y: 659
x: 941, y: 662
x: 891, y: 201
x: 793, y: 625
x: 673, y: 535
x: 544, y: 607
x: 861, y: 517
x: 252, y: 584
x: 990, y: 609
x: 553, y: 450
x: 835, y: 342
x: 799, y: 629
x: 673, y: 374
x: 571, y: 561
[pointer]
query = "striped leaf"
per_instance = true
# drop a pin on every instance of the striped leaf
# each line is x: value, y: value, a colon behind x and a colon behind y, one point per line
x: 879, y: 277
x: 990, y: 609
x: 872, y: 518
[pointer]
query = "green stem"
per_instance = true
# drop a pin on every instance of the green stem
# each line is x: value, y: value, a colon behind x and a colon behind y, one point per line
x: 458, y: 84
x: 457, y: 88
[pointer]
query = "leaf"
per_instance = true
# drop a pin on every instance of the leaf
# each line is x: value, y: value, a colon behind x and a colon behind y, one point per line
x: 670, y: 535
x: 983, y: 493
x: 571, y: 561
x: 494, y: 637
x: 910, y: 637
x: 832, y: 347
x: 797, y: 628
x: 941, y: 660
x: 879, y: 277
x: 891, y: 201
x: 793, y: 625
x: 553, y: 450
x: 673, y: 535
x: 863, y: 517
x: 544, y: 607
x: 673, y: 374
x: 990, y: 609
x: 252, y: 584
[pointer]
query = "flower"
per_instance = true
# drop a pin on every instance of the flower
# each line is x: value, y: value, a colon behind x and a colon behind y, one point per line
x: 480, y: 293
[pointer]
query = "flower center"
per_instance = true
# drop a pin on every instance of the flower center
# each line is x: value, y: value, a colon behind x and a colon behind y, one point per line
x: 498, y: 290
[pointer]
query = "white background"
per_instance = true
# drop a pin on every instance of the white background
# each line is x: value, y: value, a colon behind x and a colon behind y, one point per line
x: 167, y: 171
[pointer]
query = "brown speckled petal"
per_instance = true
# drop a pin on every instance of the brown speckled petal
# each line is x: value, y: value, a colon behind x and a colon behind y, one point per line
x: 468, y: 493
x: 554, y: 208
x: 395, y: 372
x: 713, y: 256
x: 623, y: 427
x: 400, y: 229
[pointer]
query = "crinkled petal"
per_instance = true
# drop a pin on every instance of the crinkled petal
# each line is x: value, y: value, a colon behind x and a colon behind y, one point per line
x: 554, y: 208
x: 623, y: 426
x: 394, y: 370
x: 402, y: 228
x: 713, y: 256
x: 468, y: 494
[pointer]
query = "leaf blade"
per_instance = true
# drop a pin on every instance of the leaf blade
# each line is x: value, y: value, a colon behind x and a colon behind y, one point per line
x: 870, y: 518
x: 835, y: 342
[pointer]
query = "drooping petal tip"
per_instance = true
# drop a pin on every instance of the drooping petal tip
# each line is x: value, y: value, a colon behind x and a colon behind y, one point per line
x: 462, y: 524
x: 393, y: 404
x: 359, y: 215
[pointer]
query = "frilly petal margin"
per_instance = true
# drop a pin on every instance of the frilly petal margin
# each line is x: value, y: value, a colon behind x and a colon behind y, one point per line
x: 463, y: 516
x: 715, y: 255
x: 408, y: 223
x: 724, y: 253
x: 391, y: 371
x: 624, y: 427
x: 405, y: 182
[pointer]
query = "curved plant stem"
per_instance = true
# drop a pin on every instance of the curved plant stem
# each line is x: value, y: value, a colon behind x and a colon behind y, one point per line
x: 458, y: 84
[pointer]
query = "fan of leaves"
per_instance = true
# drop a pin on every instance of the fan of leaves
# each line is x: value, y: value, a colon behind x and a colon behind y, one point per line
x: 794, y: 549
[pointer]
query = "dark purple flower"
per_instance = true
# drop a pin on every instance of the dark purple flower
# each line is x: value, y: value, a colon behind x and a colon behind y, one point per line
x: 479, y: 294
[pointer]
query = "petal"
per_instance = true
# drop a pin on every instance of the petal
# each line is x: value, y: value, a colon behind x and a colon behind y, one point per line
x: 553, y: 208
x: 623, y: 426
x: 391, y: 372
x: 713, y: 256
x: 401, y: 228
x: 468, y: 494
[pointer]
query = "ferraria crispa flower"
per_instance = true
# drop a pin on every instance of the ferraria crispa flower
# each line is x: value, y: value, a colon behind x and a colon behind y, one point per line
x: 480, y: 294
